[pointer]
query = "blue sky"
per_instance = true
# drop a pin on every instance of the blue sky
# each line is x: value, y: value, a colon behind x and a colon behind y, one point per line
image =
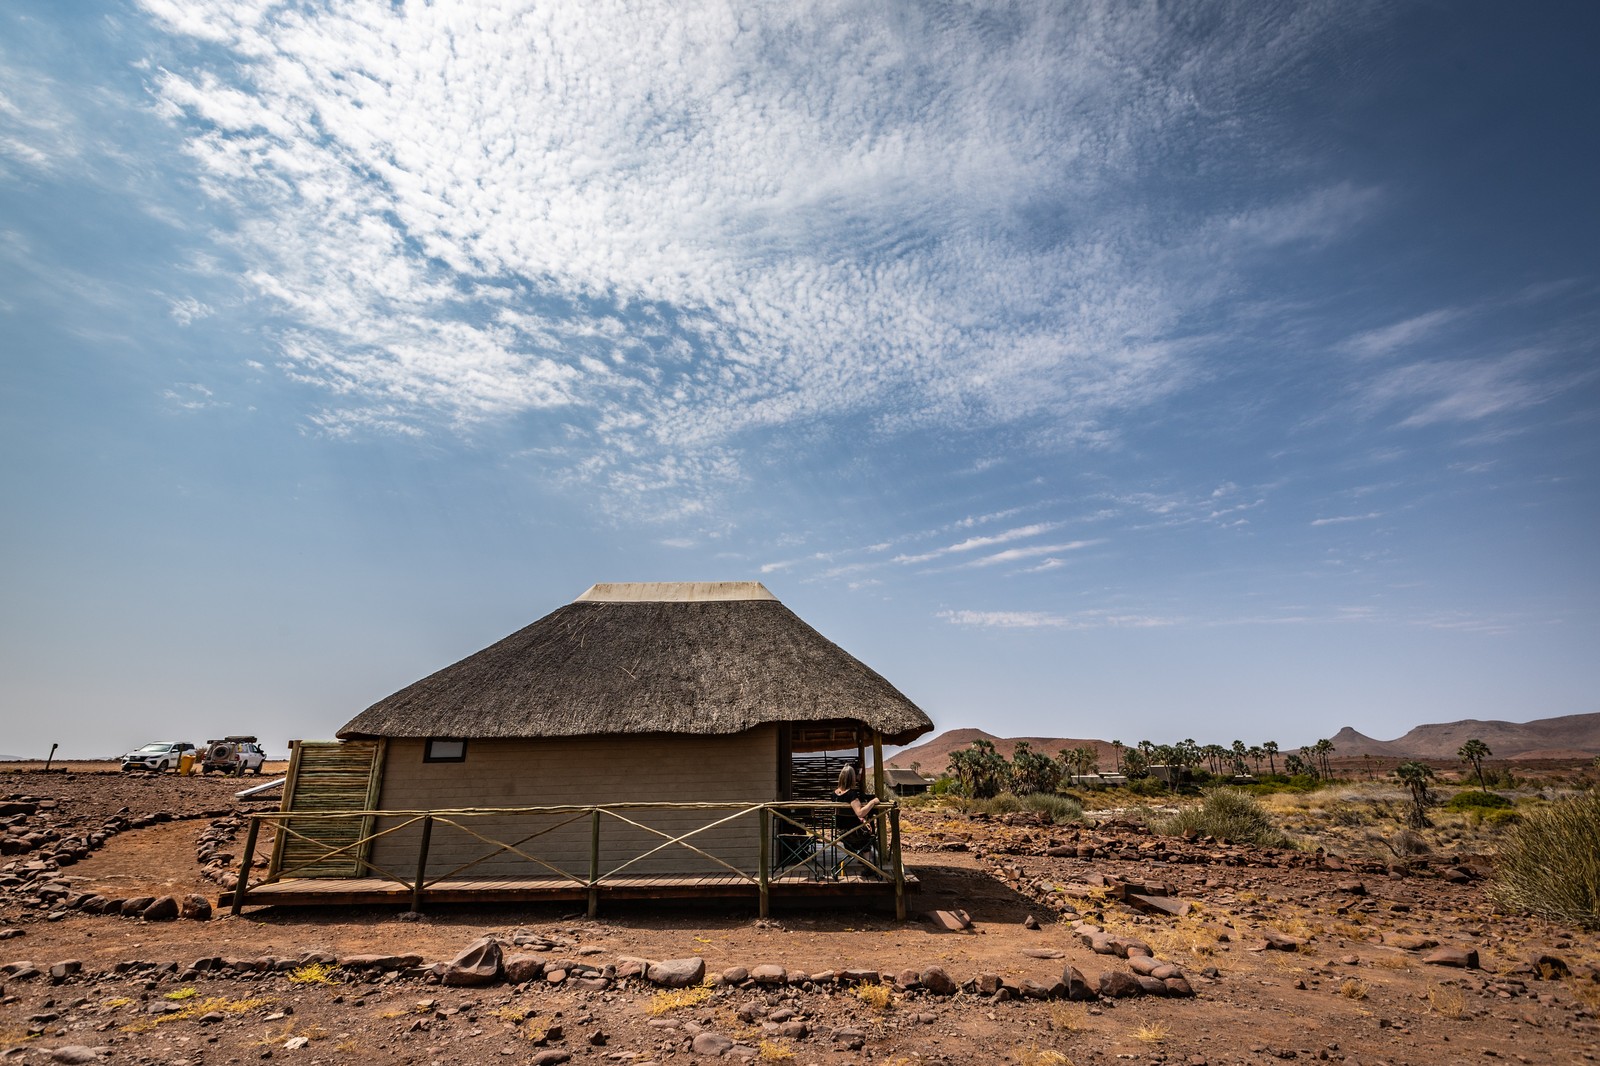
x: 1204, y: 370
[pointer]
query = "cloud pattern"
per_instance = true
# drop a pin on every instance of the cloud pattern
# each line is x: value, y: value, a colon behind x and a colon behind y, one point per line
x: 668, y: 225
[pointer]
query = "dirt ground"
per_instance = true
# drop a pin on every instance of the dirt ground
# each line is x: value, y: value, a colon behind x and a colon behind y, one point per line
x: 1353, y: 985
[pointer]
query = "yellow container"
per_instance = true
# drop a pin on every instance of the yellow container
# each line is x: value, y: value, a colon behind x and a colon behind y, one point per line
x: 186, y: 764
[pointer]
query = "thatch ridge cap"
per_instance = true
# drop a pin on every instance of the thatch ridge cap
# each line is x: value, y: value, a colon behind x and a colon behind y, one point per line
x: 674, y: 592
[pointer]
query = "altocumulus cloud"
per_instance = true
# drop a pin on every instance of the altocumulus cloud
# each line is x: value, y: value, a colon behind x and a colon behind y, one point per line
x: 672, y: 224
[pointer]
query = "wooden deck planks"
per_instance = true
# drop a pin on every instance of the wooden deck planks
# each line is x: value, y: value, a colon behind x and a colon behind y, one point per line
x: 326, y: 891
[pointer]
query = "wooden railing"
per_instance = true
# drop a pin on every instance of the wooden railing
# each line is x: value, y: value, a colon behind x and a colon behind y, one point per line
x: 810, y: 843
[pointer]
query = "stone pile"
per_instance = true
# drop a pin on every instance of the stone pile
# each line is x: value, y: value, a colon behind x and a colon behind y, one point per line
x: 44, y: 841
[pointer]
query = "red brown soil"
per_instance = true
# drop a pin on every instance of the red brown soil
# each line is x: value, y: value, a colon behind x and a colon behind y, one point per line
x: 1344, y: 996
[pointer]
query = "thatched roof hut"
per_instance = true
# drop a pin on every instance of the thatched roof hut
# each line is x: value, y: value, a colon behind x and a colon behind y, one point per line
x: 701, y: 658
x: 696, y: 724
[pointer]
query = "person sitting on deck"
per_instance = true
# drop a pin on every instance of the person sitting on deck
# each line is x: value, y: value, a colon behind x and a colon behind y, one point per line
x: 853, y: 830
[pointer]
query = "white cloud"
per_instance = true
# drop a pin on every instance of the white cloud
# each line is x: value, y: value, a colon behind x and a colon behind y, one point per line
x: 1340, y: 519
x: 1463, y: 390
x: 1048, y: 620
x: 975, y: 543
x: 1387, y: 339
x: 1012, y: 555
x: 684, y: 222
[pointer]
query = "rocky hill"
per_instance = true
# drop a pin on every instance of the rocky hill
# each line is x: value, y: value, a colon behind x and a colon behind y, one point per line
x: 1572, y: 736
x: 934, y: 755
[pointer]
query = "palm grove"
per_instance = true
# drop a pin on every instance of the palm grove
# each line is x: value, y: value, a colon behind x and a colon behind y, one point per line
x: 981, y: 772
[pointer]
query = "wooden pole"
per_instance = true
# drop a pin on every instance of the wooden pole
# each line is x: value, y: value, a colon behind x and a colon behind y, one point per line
x: 899, y: 867
x: 244, y: 863
x: 877, y: 768
x: 594, y: 865
x: 763, y: 871
x: 422, y: 863
x: 880, y: 821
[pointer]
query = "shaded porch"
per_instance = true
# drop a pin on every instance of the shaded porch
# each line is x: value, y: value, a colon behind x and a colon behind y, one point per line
x: 758, y: 851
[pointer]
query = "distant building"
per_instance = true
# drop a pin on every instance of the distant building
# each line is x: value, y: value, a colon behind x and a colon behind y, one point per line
x: 905, y: 782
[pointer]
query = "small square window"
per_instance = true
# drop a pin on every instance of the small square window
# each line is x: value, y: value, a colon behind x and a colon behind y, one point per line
x: 440, y: 750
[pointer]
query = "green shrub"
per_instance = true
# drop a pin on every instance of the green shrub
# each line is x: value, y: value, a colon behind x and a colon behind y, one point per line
x: 1060, y: 810
x: 1231, y: 814
x: 1147, y: 786
x: 1549, y: 864
x: 1462, y: 801
x: 1004, y: 803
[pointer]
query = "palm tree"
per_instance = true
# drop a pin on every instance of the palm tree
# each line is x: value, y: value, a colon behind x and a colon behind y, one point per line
x: 1271, y: 748
x: 1415, y: 776
x: 1116, y: 746
x: 1238, y: 749
x: 1474, y: 752
x: 1323, y: 749
x: 1256, y: 754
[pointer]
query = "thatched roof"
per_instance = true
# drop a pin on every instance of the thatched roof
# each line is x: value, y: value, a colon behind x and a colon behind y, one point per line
x: 703, y: 658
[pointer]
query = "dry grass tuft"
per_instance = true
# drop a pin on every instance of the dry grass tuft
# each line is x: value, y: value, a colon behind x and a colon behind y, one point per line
x: 1034, y: 1055
x: 878, y: 997
x: 1353, y: 989
x: 187, y: 992
x: 15, y: 1036
x: 1152, y: 1033
x: 1447, y: 1001
x: 195, y: 1008
x: 671, y: 999
x: 775, y: 1051
x: 1069, y: 1018
x: 314, y: 973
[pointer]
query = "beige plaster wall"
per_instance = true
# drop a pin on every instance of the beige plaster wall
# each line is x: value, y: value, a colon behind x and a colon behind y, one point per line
x: 580, y: 770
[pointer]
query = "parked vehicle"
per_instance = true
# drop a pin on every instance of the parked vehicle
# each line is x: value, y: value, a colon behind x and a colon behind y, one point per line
x: 158, y: 756
x: 233, y: 755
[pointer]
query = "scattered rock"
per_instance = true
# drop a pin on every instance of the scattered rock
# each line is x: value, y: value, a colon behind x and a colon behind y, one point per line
x: 937, y: 981
x: 524, y: 966
x: 769, y: 975
x: 950, y: 921
x: 1118, y: 984
x: 163, y: 909
x: 478, y: 965
x: 1076, y: 987
x: 1465, y: 958
x: 709, y: 1043
x: 677, y: 973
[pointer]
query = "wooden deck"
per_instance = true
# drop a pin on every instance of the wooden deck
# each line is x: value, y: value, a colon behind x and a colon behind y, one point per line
x: 347, y: 891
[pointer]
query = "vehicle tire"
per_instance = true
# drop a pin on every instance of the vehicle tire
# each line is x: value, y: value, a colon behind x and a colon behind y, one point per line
x: 126, y: 768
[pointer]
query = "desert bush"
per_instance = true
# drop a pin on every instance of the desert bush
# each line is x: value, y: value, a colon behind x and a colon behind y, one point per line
x: 1403, y: 844
x: 1495, y: 819
x: 1462, y: 801
x: 1060, y: 810
x: 1146, y: 786
x: 1549, y: 865
x: 1228, y: 813
x: 1004, y: 803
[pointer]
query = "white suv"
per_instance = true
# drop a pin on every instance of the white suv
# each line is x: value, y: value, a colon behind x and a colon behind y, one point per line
x: 159, y: 756
x: 233, y: 755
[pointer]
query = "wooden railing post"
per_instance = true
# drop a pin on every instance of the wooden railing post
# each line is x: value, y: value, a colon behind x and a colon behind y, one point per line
x: 422, y: 863
x: 899, y: 867
x: 594, y: 865
x: 245, y: 861
x: 763, y: 874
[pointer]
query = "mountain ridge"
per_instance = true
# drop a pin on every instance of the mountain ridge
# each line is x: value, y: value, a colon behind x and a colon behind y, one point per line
x: 1570, y: 736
